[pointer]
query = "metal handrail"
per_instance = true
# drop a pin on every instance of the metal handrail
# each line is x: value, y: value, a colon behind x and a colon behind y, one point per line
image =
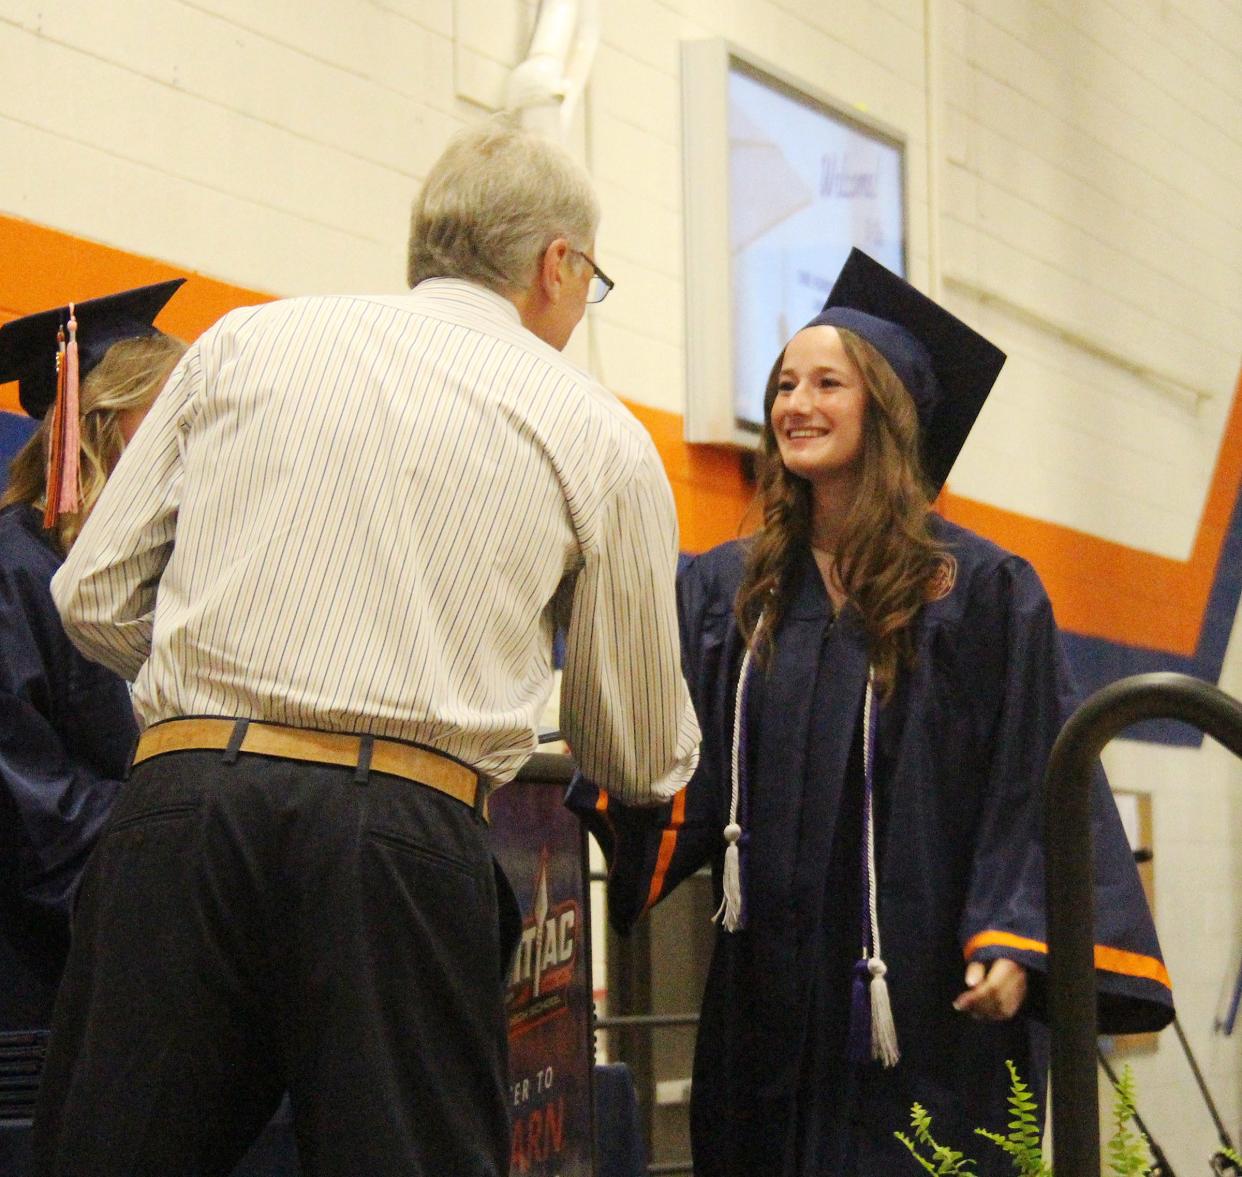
x: 654, y: 1021
x: 1069, y: 885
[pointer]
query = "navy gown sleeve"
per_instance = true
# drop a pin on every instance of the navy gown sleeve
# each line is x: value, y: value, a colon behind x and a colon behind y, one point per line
x: 66, y: 728
x: 650, y: 850
x: 1004, y: 915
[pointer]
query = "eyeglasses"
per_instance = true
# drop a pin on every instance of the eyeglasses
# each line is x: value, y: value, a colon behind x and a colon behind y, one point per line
x: 600, y: 284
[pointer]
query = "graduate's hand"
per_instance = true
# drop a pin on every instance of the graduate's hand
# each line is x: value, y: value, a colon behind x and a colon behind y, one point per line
x: 994, y: 992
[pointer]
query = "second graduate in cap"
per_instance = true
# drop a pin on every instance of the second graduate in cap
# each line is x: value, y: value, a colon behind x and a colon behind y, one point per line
x: 88, y: 373
x: 879, y: 691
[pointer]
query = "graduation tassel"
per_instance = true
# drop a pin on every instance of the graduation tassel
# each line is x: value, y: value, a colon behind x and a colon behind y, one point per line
x: 730, y: 914
x: 55, y: 438
x: 68, y: 499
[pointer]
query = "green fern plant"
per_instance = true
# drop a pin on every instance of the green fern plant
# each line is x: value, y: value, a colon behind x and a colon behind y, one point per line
x: 1128, y: 1154
x: 1022, y: 1143
x: 942, y: 1161
x: 1127, y: 1150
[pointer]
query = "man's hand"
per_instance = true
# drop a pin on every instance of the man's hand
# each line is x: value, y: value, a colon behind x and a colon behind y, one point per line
x: 994, y: 992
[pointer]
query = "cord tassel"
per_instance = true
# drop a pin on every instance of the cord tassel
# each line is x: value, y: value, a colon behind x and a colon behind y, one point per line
x: 729, y: 914
x: 883, y: 1028
x: 858, y: 1047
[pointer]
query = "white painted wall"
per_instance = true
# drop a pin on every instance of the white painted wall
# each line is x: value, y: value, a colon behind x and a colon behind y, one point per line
x: 272, y: 144
x: 1085, y: 183
x: 1091, y: 178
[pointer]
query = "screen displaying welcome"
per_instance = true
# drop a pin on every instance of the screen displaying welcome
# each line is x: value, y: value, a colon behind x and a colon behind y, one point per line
x: 805, y: 185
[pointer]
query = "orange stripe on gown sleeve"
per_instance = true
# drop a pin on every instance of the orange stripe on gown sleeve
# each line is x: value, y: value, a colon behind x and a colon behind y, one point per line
x: 668, y: 843
x: 1111, y: 960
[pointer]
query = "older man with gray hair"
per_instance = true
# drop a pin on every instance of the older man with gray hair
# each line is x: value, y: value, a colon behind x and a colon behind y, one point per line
x: 332, y: 561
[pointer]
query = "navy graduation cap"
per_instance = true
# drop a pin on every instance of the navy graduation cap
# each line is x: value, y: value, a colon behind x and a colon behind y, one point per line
x: 29, y: 345
x: 947, y: 367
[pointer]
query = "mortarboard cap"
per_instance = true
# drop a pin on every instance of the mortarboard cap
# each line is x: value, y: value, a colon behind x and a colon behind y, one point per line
x: 28, y: 345
x: 947, y: 367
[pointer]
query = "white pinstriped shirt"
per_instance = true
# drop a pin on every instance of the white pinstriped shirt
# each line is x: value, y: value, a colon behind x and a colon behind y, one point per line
x: 368, y: 514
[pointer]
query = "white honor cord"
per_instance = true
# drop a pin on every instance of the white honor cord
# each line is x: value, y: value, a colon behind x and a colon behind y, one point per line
x: 729, y: 913
x: 883, y: 1029
x: 868, y: 770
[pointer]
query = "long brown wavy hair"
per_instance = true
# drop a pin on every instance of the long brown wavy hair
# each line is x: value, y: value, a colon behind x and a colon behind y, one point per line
x: 886, y: 559
x: 128, y: 377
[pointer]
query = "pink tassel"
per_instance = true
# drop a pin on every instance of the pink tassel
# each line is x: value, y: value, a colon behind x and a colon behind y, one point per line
x: 55, y: 439
x: 68, y: 499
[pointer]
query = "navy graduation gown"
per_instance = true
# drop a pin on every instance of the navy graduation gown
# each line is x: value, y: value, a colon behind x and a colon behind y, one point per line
x: 66, y: 732
x: 961, y: 750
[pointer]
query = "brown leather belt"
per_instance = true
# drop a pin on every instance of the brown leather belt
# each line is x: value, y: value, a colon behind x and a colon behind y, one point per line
x: 412, y: 762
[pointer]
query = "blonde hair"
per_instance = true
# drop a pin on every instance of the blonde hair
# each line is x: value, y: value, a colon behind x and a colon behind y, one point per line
x: 129, y: 376
x: 887, y: 559
x: 493, y: 202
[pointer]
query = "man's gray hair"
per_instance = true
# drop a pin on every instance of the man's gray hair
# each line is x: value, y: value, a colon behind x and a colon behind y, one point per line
x: 493, y: 202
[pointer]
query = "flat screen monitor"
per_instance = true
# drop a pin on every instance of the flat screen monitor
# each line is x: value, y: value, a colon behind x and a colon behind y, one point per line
x: 772, y: 211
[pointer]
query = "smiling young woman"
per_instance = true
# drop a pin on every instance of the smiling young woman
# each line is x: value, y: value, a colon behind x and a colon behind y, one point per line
x: 851, y: 488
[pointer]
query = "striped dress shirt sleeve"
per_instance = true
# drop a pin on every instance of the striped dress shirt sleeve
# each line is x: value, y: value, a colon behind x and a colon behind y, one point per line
x: 623, y: 653
x: 109, y: 613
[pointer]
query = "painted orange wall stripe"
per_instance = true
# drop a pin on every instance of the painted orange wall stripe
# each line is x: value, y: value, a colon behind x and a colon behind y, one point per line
x: 708, y: 486
x: 1099, y: 589
x: 668, y: 843
x: 46, y: 268
x: 1110, y: 960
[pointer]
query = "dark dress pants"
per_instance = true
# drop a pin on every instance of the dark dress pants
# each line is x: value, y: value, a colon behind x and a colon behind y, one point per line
x: 247, y: 928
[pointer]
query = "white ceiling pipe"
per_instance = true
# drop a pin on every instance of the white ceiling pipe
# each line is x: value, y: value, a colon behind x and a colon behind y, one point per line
x: 544, y: 90
x: 582, y: 57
